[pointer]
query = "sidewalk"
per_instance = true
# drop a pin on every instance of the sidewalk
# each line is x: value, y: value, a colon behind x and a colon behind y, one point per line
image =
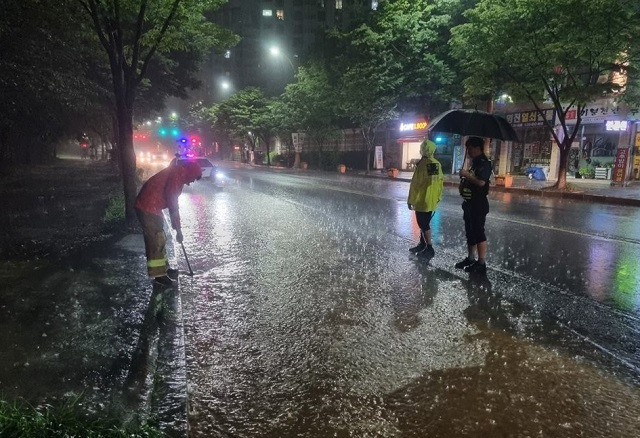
x: 589, y: 190
x: 79, y: 318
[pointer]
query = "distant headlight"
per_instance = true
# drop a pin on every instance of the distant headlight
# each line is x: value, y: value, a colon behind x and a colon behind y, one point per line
x: 219, y: 175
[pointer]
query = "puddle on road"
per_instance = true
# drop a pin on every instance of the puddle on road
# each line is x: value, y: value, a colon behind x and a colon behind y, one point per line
x: 329, y: 335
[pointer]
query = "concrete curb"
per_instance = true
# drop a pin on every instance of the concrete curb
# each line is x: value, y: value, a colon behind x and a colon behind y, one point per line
x: 582, y: 196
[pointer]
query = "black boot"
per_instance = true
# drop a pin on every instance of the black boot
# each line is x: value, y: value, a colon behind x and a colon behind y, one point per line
x: 427, y: 253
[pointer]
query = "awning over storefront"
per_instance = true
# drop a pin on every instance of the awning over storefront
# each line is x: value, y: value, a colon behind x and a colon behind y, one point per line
x: 411, y: 139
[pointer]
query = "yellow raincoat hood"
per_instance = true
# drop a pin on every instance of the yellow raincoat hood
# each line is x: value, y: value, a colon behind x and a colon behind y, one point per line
x: 428, y: 148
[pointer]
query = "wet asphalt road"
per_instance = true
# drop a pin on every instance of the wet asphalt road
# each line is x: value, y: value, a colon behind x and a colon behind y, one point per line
x: 307, y: 316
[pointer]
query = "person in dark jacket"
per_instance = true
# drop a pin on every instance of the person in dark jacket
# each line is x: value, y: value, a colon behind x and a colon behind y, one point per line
x: 474, y: 188
x: 159, y: 192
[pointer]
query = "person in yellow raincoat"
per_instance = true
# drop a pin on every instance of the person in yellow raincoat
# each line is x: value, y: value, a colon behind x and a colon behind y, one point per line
x: 425, y: 193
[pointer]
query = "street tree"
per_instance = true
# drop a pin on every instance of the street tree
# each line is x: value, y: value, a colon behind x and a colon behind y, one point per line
x: 134, y: 33
x: 245, y: 116
x: 283, y: 119
x: 397, y: 63
x: 563, y: 53
x: 49, y: 80
x: 312, y: 106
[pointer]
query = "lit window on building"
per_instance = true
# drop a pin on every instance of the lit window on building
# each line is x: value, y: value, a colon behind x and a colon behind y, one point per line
x: 338, y: 4
x: 267, y: 13
x: 227, y: 54
x: 280, y: 14
x: 374, y: 5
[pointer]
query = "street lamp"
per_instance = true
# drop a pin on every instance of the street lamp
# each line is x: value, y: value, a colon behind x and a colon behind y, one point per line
x: 276, y: 52
x: 225, y: 85
x: 174, y: 115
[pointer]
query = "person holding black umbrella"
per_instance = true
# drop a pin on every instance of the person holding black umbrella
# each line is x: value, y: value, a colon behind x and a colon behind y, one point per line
x: 474, y: 188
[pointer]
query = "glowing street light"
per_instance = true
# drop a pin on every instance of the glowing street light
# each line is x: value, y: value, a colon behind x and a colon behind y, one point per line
x: 276, y: 52
x: 174, y: 115
x: 225, y: 85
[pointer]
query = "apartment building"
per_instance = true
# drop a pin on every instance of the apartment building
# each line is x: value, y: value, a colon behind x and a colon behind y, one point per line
x: 277, y: 36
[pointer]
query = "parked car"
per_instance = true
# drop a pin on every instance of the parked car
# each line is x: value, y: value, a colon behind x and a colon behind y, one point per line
x: 209, y: 170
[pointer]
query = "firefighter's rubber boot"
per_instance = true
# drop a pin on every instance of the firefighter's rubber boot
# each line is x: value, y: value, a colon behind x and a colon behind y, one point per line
x: 163, y: 281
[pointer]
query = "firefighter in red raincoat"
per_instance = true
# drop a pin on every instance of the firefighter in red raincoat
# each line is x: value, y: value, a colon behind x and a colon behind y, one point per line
x: 159, y: 192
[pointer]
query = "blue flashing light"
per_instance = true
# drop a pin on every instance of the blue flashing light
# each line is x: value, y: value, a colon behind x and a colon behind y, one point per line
x: 162, y: 132
x: 175, y: 132
x: 439, y: 139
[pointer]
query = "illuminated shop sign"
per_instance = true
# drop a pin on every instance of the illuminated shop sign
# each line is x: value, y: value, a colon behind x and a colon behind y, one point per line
x: 616, y: 125
x: 531, y: 118
x: 414, y: 126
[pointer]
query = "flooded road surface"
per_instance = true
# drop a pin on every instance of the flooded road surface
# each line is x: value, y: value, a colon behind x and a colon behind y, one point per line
x: 308, y: 317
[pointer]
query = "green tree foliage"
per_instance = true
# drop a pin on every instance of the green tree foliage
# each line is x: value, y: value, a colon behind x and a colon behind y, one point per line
x: 51, y: 81
x: 564, y: 52
x: 135, y: 34
x: 245, y: 116
x: 397, y: 62
x: 284, y: 119
x: 312, y: 106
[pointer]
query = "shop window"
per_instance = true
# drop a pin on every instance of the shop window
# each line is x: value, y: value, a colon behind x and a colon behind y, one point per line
x: 280, y: 14
x: 338, y: 4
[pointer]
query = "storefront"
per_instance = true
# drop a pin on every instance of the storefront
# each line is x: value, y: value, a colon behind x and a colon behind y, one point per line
x: 411, y: 135
x: 534, y: 147
x: 605, y: 128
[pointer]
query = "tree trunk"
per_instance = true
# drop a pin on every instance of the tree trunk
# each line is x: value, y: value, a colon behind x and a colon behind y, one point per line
x: 127, y: 158
x: 565, y: 148
x: 296, y: 160
x: 368, y: 159
x: 266, y: 142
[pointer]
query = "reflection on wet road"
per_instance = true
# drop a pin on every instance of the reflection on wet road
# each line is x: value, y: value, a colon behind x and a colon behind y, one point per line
x: 307, y: 316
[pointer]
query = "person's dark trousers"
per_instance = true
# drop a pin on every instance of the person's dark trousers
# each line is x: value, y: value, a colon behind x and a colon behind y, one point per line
x: 155, y: 241
x: 475, y: 214
x: 423, y: 218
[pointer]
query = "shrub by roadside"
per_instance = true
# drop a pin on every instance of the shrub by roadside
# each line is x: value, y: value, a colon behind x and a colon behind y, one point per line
x: 50, y: 210
x: 23, y: 421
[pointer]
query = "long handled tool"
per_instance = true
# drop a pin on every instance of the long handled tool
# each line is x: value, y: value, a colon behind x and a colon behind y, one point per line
x: 184, y: 251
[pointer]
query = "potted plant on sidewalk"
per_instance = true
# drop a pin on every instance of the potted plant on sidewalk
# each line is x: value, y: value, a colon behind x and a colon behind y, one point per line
x: 587, y: 172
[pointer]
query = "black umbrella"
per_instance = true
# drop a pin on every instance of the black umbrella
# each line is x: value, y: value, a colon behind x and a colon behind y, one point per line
x: 473, y: 122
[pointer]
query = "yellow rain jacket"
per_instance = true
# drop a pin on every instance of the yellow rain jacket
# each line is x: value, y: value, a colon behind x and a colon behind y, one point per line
x: 425, y: 190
